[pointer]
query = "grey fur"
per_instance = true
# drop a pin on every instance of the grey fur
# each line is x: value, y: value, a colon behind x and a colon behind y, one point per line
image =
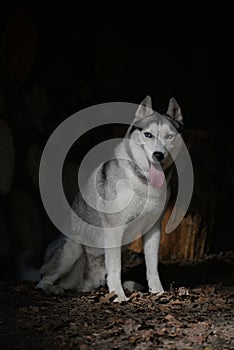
x: 74, y: 265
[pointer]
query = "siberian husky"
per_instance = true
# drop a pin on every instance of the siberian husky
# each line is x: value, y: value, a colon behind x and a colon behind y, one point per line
x: 143, y: 159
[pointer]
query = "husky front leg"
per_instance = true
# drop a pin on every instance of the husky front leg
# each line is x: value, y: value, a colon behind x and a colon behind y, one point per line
x: 151, y: 247
x: 113, y: 267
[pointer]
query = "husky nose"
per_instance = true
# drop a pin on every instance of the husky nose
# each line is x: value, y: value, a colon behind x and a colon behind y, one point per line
x: 158, y: 155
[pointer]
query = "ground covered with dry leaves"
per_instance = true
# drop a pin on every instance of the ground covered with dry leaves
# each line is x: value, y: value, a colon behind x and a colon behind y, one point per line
x: 196, y: 312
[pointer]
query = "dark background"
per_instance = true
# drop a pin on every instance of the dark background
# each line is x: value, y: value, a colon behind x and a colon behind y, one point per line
x: 123, y: 53
x: 91, y: 54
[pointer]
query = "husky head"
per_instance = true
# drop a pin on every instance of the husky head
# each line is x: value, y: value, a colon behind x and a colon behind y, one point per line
x: 158, y: 135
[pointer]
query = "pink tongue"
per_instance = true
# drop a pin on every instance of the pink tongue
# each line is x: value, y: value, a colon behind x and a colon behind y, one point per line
x: 156, y: 176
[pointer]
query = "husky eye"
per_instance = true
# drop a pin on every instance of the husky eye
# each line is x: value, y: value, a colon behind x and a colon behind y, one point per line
x: 148, y: 135
x: 169, y: 136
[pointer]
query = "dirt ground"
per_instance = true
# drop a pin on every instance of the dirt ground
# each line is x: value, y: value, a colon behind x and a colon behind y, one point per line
x: 195, y: 312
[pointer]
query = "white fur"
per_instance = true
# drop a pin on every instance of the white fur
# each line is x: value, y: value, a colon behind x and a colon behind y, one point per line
x: 83, y: 268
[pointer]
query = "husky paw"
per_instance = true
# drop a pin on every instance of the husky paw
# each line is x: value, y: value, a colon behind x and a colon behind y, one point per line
x: 158, y: 291
x: 50, y: 288
x: 120, y: 299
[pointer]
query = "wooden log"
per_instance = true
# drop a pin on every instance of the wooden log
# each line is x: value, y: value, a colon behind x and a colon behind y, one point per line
x: 187, y: 242
x: 7, y: 157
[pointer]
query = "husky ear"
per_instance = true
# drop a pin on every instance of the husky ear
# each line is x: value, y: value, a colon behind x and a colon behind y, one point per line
x: 174, y: 110
x: 144, y: 109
